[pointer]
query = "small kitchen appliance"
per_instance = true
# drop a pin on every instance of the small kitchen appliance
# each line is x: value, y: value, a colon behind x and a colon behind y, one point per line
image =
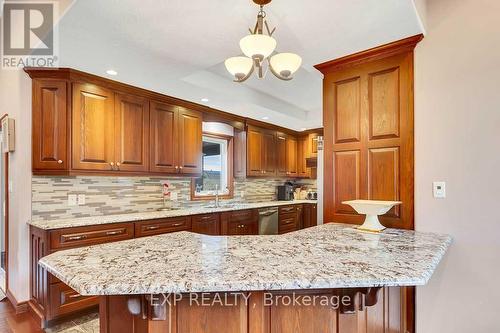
x: 285, y: 192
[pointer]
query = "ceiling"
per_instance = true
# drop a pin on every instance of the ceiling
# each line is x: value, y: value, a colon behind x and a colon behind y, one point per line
x: 178, y: 47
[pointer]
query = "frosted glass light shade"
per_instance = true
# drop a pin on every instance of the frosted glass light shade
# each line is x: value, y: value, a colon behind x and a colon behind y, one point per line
x: 257, y: 46
x: 285, y: 64
x: 239, y: 66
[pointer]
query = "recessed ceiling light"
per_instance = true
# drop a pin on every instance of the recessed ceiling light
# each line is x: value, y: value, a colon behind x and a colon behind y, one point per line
x: 111, y: 72
x: 204, y: 100
x: 265, y: 118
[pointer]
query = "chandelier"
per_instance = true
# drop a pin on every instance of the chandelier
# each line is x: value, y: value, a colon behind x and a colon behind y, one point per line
x: 259, y: 50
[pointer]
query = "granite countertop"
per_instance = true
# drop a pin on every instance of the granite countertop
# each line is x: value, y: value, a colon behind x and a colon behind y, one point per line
x: 106, y: 219
x: 325, y: 256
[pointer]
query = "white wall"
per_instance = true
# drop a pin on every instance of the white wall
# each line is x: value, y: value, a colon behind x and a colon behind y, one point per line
x: 15, y: 100
x: 457, y: 140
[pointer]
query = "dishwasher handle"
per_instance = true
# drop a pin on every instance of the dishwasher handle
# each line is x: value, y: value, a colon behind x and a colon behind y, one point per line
x: 268, y: 212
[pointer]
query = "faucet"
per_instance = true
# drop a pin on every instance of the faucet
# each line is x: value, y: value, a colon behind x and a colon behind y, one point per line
x: 216, y: 195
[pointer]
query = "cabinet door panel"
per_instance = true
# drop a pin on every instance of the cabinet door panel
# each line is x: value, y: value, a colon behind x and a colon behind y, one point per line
x: 269, y: 153
x: 131, y: 133
x: 49, y: 125
x: 163, y: 131
x: 254, y: 152
x: 93, y: 128
x: 189, y: 141
x: 281, y: 161
x: 291, y: 156
x: 302, y: 153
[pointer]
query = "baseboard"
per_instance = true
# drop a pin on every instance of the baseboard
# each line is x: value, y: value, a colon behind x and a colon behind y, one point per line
x: 36, y: 314
x: 19, y: 307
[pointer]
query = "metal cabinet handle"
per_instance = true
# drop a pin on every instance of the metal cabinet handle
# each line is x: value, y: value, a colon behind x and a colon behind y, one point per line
x: 59, y: 161
x: 206, y: 217
x: 116, y: 232
x: 152, y: 227
x: 241, y: 226
x: 74, y: 296
x: 177, y: 224
x: 75, y: 238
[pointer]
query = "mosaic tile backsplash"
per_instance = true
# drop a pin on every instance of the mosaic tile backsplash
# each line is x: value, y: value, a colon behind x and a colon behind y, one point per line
x: 122, y: 195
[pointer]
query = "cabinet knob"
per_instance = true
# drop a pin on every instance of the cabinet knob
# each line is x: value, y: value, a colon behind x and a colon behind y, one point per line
x: 59, y: 161
x: 111, y: 163
x: 117, y: 164
x: 176, y: 167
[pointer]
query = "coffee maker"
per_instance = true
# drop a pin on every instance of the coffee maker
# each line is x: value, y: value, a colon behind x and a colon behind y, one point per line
x: 285, y: 192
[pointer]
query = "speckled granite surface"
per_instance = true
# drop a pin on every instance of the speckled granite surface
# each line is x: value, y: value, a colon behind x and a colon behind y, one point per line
x: 325, y: 256
x: 95, y: 220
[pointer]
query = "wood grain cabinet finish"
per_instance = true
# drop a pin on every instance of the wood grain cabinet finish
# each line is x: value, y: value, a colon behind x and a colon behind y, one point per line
x: 368, y: 139
x: 163, y: 136
x: 281, y: 160
x: 288, y: 218
x: 261, y: 152
x: 310, y: 215
x: 302, y: 154
x: 190, y: 141
x: 84, y: 236
x: 207, y: 224
x: 50, y: 116
x: 162, y: 226
x: 93, y: 128
x: 241, y: 222
x: 131, y: 133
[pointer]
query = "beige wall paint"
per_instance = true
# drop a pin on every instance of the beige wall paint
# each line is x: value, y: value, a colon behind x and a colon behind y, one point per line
x: 15, y: 100
x: 457, y: 140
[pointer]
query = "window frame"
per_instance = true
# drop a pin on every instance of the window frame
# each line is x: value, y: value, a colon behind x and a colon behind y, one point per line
x: 230, y: 177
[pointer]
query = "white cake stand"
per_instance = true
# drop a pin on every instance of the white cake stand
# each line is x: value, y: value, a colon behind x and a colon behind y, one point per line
x: 372, y: 208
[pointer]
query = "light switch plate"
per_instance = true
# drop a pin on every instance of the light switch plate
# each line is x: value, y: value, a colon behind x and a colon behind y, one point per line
x: 72, y: 199
x: 439, y: 189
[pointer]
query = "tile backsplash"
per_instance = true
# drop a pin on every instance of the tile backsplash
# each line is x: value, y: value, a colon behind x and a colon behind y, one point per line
x: 121, y: 195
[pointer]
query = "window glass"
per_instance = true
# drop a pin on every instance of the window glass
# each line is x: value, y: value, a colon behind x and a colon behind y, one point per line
x: 214, y: 168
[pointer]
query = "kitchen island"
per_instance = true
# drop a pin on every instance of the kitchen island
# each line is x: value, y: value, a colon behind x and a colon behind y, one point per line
x: 336, y: 278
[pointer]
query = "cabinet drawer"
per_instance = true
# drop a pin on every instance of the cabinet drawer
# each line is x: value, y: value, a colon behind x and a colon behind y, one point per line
x: 241, y: 215
x: 207, y: 224
x: 287, y: 223
x: 64, y: 300
x: 162, y: 226
x: 287, y: 209
x: 242, y: 228
x: 84, y: 236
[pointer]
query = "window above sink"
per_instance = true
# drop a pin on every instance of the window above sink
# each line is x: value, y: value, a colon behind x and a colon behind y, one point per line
x: 216, y: 176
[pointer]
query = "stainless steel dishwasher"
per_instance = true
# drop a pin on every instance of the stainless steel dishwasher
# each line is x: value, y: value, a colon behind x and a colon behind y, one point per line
x: 268, y: 221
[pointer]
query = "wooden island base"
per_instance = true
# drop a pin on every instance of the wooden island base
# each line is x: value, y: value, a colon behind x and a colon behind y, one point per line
x: 300, y: 311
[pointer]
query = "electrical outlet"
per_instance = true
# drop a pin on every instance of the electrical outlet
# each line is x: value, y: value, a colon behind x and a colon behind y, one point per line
x: 72, y: 199
x: 81, y: 199
x: 439, y: 189
x: 173, y: 196
x: 242, y: 194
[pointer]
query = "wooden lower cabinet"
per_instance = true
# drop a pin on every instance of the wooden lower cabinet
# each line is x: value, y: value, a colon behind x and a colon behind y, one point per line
x: 53, y: 299
x: 310, y: 215
x: 370, y: 310
x: 208, y: 224
x: 241, y: 222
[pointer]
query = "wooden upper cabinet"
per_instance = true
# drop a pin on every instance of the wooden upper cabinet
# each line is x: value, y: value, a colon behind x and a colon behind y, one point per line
x: 291, y: 156
x: 131, y: 133
x: 302, y: 154
x: 240, y: 154
x: 190, y: 141
x: 261, y: 152
x: 254, y: 151
x: 368, y: 132
x: 281, y: 161
x: 50, y: 116
x: 269, y: 153
x: 163, y: 136
x: 93, y: 128
x: 312, y: 145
